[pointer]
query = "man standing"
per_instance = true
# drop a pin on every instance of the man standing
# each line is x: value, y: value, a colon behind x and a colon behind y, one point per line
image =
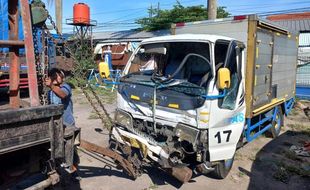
x: 61, y: 93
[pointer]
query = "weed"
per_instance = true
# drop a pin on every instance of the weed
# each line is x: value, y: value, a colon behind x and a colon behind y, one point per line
x: 284, y: 171
x: 151, y: 187
x: 281, y: 175
x: 241, y: 174
x: 290, y: 155
x: 93, y: 116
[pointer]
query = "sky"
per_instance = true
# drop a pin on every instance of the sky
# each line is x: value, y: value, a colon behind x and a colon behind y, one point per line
x: 115, y: 15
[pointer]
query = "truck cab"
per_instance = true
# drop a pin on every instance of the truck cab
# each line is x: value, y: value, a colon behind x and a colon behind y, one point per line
x: 181, y: 101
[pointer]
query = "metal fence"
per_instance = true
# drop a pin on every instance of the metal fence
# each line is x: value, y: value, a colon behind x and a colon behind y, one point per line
x: 303, y: 75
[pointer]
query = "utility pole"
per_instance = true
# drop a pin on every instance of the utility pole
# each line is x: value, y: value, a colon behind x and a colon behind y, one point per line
x: 158, y: 8
x: 212, y: 9
x: 151, y: 11
x: 58, y: 14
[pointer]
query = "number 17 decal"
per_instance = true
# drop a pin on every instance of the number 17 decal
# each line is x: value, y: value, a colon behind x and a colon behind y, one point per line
x: 218, y: 136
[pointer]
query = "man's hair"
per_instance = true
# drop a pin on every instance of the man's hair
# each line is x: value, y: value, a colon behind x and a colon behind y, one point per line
x: 54, y: 72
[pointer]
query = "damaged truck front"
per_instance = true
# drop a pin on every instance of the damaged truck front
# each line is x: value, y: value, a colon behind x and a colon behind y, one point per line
x: 187, y: 101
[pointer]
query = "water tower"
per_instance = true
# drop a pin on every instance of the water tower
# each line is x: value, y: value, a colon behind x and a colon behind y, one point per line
x: 82, y: 30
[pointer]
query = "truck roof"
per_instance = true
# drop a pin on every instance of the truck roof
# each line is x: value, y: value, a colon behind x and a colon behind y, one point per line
x: 186, y: 37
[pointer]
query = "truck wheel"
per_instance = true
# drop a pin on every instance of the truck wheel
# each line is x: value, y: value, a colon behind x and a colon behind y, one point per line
x: 277, y: 124
x: 222, y: 169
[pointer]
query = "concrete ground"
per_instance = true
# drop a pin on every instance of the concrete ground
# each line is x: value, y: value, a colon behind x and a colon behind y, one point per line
x: 261, y: 164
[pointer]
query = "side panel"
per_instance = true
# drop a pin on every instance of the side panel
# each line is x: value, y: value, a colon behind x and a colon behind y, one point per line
x: 263, y: 67
x: 284, y: 66
x: 233, y: 29
x: 274, y: 68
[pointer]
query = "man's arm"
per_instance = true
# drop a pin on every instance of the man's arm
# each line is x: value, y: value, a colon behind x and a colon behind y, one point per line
x: 56, y: 89
x: 59, y: 92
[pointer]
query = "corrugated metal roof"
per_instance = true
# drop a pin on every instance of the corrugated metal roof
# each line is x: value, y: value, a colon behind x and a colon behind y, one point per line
x: 291, y: 16
x: 128, y: 35
x: 295, y: 25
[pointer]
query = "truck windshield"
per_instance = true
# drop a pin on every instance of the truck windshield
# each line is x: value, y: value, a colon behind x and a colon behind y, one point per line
x: 188, y: 62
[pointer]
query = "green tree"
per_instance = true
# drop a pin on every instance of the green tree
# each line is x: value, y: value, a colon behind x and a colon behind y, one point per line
x: 162, y: 19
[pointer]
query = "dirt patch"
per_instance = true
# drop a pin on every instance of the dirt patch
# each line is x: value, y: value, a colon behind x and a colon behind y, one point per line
x: 281, y: 167
x: 264, y: 163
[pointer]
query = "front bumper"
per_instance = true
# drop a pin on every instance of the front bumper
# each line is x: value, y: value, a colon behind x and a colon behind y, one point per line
x: 152, y: 150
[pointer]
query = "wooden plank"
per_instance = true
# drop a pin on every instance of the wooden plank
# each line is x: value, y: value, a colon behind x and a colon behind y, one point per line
x: 29, y: 51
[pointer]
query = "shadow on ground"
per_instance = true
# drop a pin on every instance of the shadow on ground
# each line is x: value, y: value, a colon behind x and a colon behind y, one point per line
x: 276, y: 167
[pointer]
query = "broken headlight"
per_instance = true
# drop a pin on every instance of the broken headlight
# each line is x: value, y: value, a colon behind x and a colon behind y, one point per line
x: 123, y: 119
x: 186, y: 133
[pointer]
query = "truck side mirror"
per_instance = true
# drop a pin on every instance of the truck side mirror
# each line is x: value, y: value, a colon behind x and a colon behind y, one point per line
x: 223, y: 78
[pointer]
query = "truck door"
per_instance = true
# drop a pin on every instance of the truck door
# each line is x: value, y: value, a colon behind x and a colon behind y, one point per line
x: 227, y: 114
x: 263, y: 68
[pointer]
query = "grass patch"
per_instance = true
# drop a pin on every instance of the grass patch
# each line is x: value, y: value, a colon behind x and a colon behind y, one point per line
x: 282, y: 175
x: 93, y: 116
x: 106, y: 95
x: 290, y: 155
x: 241, y: 174
x: 152, y: 186
x: 285, y: 171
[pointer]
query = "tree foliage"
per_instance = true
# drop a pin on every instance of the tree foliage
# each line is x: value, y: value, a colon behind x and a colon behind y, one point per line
x: 162, y: 19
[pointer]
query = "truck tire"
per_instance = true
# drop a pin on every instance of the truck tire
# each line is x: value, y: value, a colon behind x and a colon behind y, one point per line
x: 222, y: 169
x: 277, y: 124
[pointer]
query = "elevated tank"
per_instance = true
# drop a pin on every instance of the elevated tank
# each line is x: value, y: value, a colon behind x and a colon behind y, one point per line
x: 81, y: 13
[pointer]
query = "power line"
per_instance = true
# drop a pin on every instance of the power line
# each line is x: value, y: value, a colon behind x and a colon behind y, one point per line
x: 126, y: 16
x: 257, y: 6
x: 269, y: 4
x: 263, y: 6
x: 254, y: 8
x: 144, y: 8
x: 284, y: 11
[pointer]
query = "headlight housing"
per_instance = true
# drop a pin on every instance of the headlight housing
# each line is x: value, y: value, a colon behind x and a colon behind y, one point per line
x: 123, y: 119
x: 186, y: 133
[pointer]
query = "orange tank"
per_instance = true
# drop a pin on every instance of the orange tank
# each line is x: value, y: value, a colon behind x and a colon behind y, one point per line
x: 81, y: 13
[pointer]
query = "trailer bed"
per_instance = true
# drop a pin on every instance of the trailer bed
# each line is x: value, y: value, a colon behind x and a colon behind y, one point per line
x: 27, y: 127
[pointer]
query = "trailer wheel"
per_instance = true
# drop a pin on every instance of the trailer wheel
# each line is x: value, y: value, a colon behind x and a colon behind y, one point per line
x: 222, y: 169
x: 277, y: 124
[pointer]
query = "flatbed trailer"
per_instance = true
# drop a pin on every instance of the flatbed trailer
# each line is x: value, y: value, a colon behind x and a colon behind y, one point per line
x: 32, y: 136
x: 33, y: 139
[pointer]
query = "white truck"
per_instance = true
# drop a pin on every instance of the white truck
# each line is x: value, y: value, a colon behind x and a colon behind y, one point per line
x: 190, y: 100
